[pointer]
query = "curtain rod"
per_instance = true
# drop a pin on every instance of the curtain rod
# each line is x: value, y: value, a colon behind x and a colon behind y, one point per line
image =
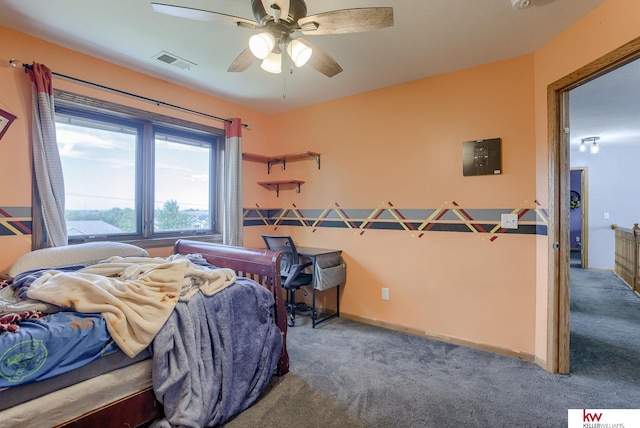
x: 16, y: 63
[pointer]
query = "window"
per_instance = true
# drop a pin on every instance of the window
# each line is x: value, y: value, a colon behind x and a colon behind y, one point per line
x: 99, y: 165
x: 131, y: 177
x: 182, y: 182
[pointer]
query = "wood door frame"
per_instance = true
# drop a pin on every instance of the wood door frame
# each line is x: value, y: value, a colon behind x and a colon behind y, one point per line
x: 559, y: 245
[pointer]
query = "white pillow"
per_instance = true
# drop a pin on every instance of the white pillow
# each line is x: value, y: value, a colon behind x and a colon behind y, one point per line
x: 88, y: 253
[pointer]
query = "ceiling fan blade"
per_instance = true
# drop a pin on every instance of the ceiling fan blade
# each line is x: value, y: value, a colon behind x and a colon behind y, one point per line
x: 243, y: 61
x: 203, y: 15
x: 321, y: 60
x: 347, y: 21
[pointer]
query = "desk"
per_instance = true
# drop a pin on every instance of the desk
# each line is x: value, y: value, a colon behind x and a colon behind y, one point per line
x: 324, y: 262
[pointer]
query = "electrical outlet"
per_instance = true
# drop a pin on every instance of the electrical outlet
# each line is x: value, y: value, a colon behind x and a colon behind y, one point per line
x: 385, y: 294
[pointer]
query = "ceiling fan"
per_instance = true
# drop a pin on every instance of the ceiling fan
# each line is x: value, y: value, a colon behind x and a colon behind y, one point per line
x: 279, y: 20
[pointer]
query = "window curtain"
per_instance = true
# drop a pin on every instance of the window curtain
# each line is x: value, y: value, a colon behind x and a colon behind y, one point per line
x: 49, y: 227
x: 233, y: 215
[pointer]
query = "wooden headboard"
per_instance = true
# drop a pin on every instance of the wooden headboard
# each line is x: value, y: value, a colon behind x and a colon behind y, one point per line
x: 260, y: 265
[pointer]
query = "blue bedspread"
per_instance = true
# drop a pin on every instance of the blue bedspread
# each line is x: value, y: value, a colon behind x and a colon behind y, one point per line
x: 215, y: 355
x: 52, y: 345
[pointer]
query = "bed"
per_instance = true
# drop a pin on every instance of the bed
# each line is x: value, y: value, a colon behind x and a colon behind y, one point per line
x: 118, y: 390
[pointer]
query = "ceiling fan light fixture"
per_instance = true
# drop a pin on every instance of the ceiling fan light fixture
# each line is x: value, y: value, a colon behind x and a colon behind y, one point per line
x: 279, y: 20
x: 299, y: 52
x: 272, y: 63
x: 262, y: 44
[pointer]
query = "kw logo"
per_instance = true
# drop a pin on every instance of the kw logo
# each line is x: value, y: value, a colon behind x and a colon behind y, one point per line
x: 77, y: 324
x: 590, y: 417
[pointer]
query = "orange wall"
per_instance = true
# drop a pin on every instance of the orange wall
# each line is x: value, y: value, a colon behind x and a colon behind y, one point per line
x: 401, y: 146
x: 608, y: 27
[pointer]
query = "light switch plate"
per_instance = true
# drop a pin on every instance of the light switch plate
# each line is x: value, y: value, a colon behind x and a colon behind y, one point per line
x: 509, y: 221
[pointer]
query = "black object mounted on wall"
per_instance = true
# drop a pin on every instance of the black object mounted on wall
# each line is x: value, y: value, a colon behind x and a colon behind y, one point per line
x: 482, y: 157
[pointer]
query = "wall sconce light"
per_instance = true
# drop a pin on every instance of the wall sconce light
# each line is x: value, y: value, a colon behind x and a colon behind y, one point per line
x: 594, y: 147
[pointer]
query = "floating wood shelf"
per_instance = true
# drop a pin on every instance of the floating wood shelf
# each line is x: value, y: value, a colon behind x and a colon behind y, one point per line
x: 281, y: 159
x: 278, y: 183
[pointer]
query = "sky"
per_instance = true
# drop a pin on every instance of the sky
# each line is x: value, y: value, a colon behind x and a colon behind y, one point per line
x: 99, y: 170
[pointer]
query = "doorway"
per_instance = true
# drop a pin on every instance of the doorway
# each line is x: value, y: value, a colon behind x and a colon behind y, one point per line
x: 578, y: 217
x: 559, y: 199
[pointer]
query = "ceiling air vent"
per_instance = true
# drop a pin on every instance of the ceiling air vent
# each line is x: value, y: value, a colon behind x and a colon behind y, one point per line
x: 174, y: 60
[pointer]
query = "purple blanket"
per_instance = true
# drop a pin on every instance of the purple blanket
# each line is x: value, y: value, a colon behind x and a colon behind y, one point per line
x: 215, y: 355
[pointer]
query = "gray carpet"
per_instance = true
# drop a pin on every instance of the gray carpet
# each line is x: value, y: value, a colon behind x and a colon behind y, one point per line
x: 349, y: 374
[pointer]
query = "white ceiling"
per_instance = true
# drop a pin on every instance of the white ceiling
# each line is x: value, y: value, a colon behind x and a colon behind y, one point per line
x: 429, y: 37
x: 607, y: 107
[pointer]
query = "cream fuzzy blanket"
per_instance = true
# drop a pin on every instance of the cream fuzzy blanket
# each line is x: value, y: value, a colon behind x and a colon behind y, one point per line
x: 135, y: 295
